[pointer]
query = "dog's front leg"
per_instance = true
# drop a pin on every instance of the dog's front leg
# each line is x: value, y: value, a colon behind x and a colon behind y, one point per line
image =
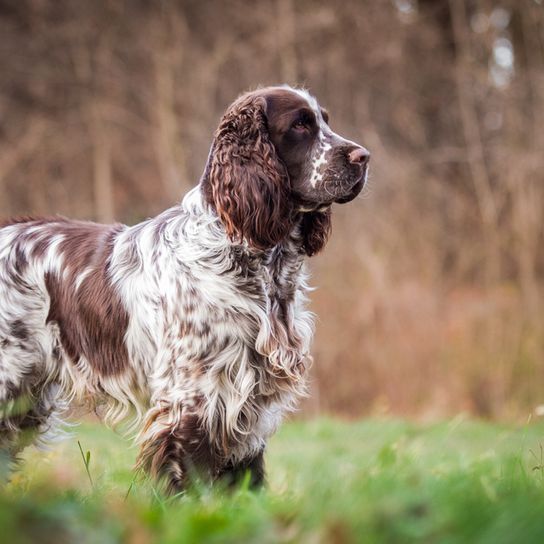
x: 175, y: 448
x: 234, y: 473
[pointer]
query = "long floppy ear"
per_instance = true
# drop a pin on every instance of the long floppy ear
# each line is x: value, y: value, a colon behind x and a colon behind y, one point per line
x: 315, y: 229
x: 245, y: 181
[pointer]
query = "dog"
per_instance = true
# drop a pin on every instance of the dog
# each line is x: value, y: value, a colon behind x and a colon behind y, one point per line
x: 193, y: 323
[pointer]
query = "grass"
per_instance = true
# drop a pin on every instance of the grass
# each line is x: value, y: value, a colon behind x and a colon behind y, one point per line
x: 389, y: 481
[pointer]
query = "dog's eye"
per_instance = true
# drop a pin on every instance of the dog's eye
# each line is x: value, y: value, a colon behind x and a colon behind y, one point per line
x: 304, y: 122
x: 300, y: 124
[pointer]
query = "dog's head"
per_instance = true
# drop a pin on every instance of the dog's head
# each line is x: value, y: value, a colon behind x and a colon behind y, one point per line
x: 275, y: 160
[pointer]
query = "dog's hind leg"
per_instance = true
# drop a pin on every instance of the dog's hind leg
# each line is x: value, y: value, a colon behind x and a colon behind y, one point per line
x: 30, y: 393
x: 30, y: 417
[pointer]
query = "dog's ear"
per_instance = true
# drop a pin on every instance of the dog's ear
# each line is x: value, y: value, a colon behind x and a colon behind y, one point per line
x: 245, y: 181
x: 315, y: 229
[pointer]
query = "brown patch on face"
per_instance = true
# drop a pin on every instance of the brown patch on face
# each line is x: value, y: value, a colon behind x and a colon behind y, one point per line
x: 283, y: 108
x: 293, y: 130
x: 92, y: 319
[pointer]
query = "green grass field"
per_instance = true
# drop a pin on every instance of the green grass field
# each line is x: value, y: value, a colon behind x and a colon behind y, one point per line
x: 329, y: 482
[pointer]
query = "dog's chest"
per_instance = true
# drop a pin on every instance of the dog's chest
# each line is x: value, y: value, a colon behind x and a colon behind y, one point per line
x: 243, y: 338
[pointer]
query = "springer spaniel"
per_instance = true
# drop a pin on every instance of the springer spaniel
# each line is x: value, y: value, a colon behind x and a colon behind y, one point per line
x: 194, y: 321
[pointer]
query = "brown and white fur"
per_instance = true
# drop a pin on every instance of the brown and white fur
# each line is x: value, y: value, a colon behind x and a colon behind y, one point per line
x: 193, y: 322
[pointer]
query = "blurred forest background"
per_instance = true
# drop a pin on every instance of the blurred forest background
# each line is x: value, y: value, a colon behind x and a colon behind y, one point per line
x: 430, y: 295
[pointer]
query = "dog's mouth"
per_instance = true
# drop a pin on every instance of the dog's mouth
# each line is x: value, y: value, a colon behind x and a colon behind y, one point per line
x: 340, y: 188
x: 354, y: 190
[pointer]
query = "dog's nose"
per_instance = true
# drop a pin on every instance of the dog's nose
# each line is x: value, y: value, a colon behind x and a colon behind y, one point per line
x: 359, y: 155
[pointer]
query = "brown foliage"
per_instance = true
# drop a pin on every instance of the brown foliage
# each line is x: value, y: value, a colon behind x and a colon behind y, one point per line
x: 430, y: 296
